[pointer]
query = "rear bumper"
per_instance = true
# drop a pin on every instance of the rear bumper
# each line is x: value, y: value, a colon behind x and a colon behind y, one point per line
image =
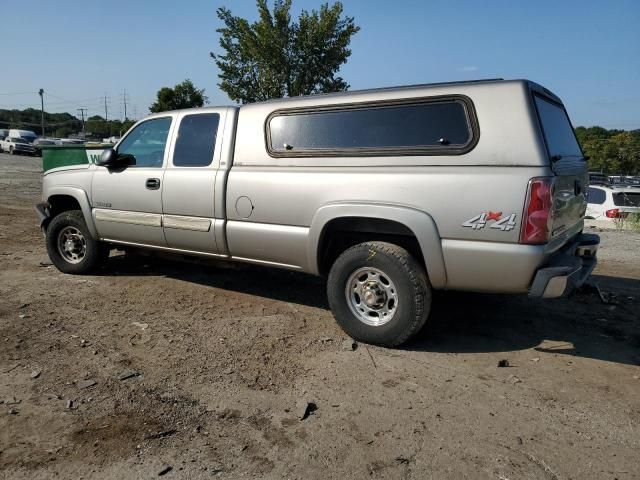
x: 566, y: 269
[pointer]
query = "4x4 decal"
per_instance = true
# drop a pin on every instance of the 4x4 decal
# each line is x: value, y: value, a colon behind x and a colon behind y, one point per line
x: 506, y: 223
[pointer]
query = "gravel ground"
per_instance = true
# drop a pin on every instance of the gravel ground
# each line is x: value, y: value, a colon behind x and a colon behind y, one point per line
x: 158, y: 367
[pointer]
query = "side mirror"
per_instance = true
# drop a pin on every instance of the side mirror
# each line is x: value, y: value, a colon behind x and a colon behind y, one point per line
x: 111, y: 158
x: 107, y: 158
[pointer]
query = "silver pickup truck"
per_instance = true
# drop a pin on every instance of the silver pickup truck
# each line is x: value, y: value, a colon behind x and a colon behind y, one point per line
x: 391, y: 193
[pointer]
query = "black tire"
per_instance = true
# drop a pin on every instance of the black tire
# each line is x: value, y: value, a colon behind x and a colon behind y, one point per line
x: 412, y: 289
x: 95, y: 253
x: 11, y: 152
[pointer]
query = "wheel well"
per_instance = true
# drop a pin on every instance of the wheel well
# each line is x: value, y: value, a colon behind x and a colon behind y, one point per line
x: 342, y: 233
x: 62, y: 203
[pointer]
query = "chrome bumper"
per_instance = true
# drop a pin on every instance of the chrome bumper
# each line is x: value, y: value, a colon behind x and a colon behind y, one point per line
x: 567, y: 269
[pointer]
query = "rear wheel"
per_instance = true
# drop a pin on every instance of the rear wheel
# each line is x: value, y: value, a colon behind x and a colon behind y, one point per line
x: 70, y: 245
x: 379, y: 293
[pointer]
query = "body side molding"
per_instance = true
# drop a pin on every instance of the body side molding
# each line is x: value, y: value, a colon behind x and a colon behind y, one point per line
x: 135, y: 218
x: 182, y: 222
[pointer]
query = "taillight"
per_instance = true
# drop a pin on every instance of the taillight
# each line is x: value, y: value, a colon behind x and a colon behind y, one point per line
x: 615, y: 213
x: 537, y: 211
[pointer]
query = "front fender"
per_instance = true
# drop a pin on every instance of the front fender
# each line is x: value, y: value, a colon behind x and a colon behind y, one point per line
x: 83, y: 200
x: 420, y: 223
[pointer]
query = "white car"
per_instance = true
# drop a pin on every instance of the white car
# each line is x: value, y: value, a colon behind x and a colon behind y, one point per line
x: 14, y: 145
x: 612, y: 203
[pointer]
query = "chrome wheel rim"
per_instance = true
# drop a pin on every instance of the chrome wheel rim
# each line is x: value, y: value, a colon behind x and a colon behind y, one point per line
x: 372, y: 296
x: 72, y: 246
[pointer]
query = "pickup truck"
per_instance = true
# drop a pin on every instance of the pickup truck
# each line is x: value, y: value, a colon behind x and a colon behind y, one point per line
x: 390, y: 193
x: 14, y: 145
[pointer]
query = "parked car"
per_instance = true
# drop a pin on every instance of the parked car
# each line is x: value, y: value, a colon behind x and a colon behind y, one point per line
x: 624, y: 181
x: 612, y: 203
x: 27, y: 135
x: 391, y: 193
x: 598, y: 177
x: 69, y: 141
x: 39, y: 142
x: 15, y: 145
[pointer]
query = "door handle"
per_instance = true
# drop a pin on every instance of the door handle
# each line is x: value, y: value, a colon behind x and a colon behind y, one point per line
x: 153, y: 183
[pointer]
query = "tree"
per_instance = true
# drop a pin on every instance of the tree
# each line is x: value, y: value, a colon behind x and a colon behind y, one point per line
x: 275, y: 57
x: 183, y: 95
x: 611, y: 151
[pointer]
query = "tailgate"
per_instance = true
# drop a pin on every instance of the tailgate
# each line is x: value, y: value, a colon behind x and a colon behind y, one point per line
x: 570, y: 169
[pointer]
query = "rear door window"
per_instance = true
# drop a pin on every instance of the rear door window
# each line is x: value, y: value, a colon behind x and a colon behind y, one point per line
x: 196, y: 140
x: 557, y: 129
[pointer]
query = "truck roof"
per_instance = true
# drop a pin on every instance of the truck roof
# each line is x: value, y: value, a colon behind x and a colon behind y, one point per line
x: 449, y: 87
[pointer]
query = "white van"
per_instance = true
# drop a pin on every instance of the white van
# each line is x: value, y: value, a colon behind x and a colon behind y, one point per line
x: 26, y: 134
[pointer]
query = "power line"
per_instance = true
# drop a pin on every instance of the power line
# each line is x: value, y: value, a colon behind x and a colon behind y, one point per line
x: 19, y: 93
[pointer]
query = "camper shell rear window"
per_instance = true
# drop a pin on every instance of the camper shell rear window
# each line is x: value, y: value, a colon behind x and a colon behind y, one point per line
x: 556, y: 127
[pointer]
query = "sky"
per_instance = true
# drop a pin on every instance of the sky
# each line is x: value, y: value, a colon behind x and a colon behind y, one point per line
x: 587, y: 52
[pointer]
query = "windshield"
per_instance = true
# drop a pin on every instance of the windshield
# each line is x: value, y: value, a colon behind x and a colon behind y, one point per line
x: 557, y: 129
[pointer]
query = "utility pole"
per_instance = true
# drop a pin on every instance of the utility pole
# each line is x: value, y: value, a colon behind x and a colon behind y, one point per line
x: 106, y: 116
x: 124, y: 98
x: 82, y: 110
x: 41, y: 92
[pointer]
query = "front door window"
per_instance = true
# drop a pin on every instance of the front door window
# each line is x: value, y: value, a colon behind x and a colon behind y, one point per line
x: 147, y: 142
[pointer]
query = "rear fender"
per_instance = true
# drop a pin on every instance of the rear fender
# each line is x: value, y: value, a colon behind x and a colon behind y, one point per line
x: 420, y: 223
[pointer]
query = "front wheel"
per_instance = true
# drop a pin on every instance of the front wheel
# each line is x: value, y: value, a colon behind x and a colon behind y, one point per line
x: 70, y: 245
x: 379, y: 293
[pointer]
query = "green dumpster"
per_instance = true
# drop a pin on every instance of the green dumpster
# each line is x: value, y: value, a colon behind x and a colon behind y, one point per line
x: 55, y: 156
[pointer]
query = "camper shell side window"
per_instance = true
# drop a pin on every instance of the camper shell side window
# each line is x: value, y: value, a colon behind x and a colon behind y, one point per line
x: 423, y: 126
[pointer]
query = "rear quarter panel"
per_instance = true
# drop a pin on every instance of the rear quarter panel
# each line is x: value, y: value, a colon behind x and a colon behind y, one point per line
x: 491, y: 178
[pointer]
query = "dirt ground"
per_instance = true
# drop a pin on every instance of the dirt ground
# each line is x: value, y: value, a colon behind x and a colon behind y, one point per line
x: 222, y: 362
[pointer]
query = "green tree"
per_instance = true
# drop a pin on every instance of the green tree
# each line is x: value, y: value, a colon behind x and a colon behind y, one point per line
x: 275, y: 57
x: 97, y: 127
x: 611, y: 151
x: 627, y: 152
x: 183, y: 95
